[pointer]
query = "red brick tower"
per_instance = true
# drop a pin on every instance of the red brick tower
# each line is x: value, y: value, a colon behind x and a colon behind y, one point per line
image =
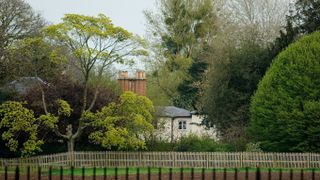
x: 138, y: 84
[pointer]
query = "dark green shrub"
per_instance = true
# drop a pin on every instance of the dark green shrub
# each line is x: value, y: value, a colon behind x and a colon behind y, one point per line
x: 285, y: 110
x: 194, y: 143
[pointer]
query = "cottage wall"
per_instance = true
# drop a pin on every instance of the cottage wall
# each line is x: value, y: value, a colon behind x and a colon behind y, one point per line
x: 170, y: 128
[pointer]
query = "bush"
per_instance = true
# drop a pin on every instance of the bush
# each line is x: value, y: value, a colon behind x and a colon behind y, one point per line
x: 190, y: 143
x: 285, y: 110
x: 194, y: 143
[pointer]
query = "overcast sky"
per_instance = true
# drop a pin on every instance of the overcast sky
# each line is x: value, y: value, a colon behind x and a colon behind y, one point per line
x: 124, y: 13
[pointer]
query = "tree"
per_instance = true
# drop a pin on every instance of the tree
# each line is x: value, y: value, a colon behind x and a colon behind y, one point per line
x: 231, y: 84
x: 285, y: 108
x: 181, y: 31
x: 64, y: 87
x: 95, y: 44
x: 261, y: 18
x: 125, y: 124
x: 239, y: 56
x: 34, y: 57
x: 307, y: 15
x: 17, y: 21
x: 19, y: 128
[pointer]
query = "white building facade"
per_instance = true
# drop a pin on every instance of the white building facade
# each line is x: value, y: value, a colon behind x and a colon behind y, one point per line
x: 173, y: 123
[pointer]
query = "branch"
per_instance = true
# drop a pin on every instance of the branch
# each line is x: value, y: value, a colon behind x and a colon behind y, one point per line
x: 93, y: 100
x: 56, y: 131
x: 78, y: 133
x: 44, y: 102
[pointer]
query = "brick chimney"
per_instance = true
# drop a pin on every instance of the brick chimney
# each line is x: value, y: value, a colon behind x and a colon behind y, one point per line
x: 137, y: 84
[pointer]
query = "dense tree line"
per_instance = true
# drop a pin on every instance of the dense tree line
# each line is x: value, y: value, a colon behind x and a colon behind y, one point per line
x: 246, y: 37
x: 209, y: 56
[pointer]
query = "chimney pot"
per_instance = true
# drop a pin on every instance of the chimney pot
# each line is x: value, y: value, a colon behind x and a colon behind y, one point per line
x: 123, y: 74
x: 140, y: 74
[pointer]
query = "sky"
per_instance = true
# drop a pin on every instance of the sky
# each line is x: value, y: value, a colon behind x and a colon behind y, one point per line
x: 125, y: 13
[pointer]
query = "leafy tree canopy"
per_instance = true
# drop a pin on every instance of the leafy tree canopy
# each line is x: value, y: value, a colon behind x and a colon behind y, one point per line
x: 17, y: 21
x: 19, y: 128
x: 125, y: 124
x: 285, y: 108
x: 181, y: 33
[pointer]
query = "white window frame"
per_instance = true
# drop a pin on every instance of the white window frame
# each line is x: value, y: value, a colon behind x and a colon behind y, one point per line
x: 182, y: 125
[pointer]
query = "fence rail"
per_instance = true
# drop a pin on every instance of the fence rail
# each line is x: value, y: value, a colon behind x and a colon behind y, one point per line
x: 170, y: 159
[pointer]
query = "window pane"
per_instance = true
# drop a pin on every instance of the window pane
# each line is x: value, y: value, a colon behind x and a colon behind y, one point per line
x: 180, y: 125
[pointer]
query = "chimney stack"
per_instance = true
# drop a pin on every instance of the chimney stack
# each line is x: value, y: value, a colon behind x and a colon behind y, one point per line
x: 138, y: 84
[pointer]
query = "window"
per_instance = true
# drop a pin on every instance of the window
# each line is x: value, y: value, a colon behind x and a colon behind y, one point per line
x: 182, y: 125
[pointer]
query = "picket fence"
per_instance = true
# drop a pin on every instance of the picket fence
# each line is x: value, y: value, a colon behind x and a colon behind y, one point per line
x: 170, y: 159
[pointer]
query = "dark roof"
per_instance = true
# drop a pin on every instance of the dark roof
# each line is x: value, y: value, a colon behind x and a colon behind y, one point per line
x: 23, y: 84
x: 172, y: 111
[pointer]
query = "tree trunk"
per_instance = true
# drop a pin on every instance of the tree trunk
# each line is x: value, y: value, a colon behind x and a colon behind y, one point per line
x: 70, y: 145
x: 70, y: 151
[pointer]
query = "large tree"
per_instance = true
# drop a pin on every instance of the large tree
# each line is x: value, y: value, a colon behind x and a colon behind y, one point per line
x: 181, y: 32
x: 95, y: 44
x: 239, y: 57
x: 285, y: 108
x: 17, y: 21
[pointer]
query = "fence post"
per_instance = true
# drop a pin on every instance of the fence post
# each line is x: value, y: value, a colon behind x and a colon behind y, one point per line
x: 241, y: 159
x: 105, y: 159
x: 213, y: 174
x: 160, y: 174
x: 247, y: 173
x: 39, y: 172
x: 309, y: 160
x: 140, y: 159
x: 17, y: 173
x: 258, y: 174
x: 61, y: 173
x: 50, y: 173
x: 6, y: 172
x: 173, y: 159
x: 207, y: 157
x: 28, y: 172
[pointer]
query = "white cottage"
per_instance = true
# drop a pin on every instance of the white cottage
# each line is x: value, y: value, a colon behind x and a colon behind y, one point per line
x: 173, y: 122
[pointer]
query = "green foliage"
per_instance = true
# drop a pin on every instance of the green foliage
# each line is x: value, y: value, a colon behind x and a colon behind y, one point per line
x: 181, y: 35
x: 155, y: 144
x: 190, y: 143
x: 36, y: 58
x: 253, y: 147
x: 307, y: 16
x: 95, y: 39
x: 231, y: 85
x: 19, y: 128
x: 64, y: 108
x: 195, y: 143
x: 49, y: 120
x: 124, y: 125
x: 285, y: 108
x: 17, y: 21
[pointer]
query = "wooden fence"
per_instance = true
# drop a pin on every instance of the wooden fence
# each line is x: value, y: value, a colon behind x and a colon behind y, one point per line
x: 171, y: 159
